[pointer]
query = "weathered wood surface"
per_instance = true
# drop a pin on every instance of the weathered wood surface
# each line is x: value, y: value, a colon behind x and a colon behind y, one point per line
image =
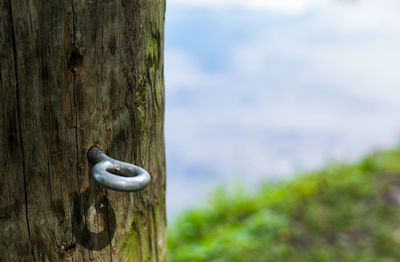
x: 74, y: 74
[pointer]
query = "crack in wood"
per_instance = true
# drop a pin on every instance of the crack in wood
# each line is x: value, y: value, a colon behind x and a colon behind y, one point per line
x: 14, y: 47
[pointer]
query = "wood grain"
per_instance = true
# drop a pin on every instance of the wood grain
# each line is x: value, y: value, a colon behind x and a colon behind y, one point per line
x: 74, y: 74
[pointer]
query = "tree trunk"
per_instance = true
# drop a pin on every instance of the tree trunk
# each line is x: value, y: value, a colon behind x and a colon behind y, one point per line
x: 74, y: 74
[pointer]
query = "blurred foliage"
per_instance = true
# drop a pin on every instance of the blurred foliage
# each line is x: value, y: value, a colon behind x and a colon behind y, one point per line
x: 341, y: 213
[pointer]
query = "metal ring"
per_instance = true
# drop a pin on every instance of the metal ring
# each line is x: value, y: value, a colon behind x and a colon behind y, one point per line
x: 117, y: 175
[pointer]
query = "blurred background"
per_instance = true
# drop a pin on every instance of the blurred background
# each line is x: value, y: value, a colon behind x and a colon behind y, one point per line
x: 282, y: 130
x: 259, y: 91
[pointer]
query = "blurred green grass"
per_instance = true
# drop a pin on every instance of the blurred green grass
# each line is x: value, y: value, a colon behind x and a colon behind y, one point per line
x: 344, y: 212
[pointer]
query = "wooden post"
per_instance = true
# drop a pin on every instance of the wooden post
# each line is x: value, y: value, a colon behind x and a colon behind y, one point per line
x: 74, y: 74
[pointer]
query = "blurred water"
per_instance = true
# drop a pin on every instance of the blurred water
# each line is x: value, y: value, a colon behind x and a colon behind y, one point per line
x: 257, y: 91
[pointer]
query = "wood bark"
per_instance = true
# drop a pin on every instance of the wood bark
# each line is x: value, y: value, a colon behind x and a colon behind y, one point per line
x: 74, y: 74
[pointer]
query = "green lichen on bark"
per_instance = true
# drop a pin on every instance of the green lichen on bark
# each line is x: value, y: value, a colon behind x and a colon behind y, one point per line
x: 141, y: 243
